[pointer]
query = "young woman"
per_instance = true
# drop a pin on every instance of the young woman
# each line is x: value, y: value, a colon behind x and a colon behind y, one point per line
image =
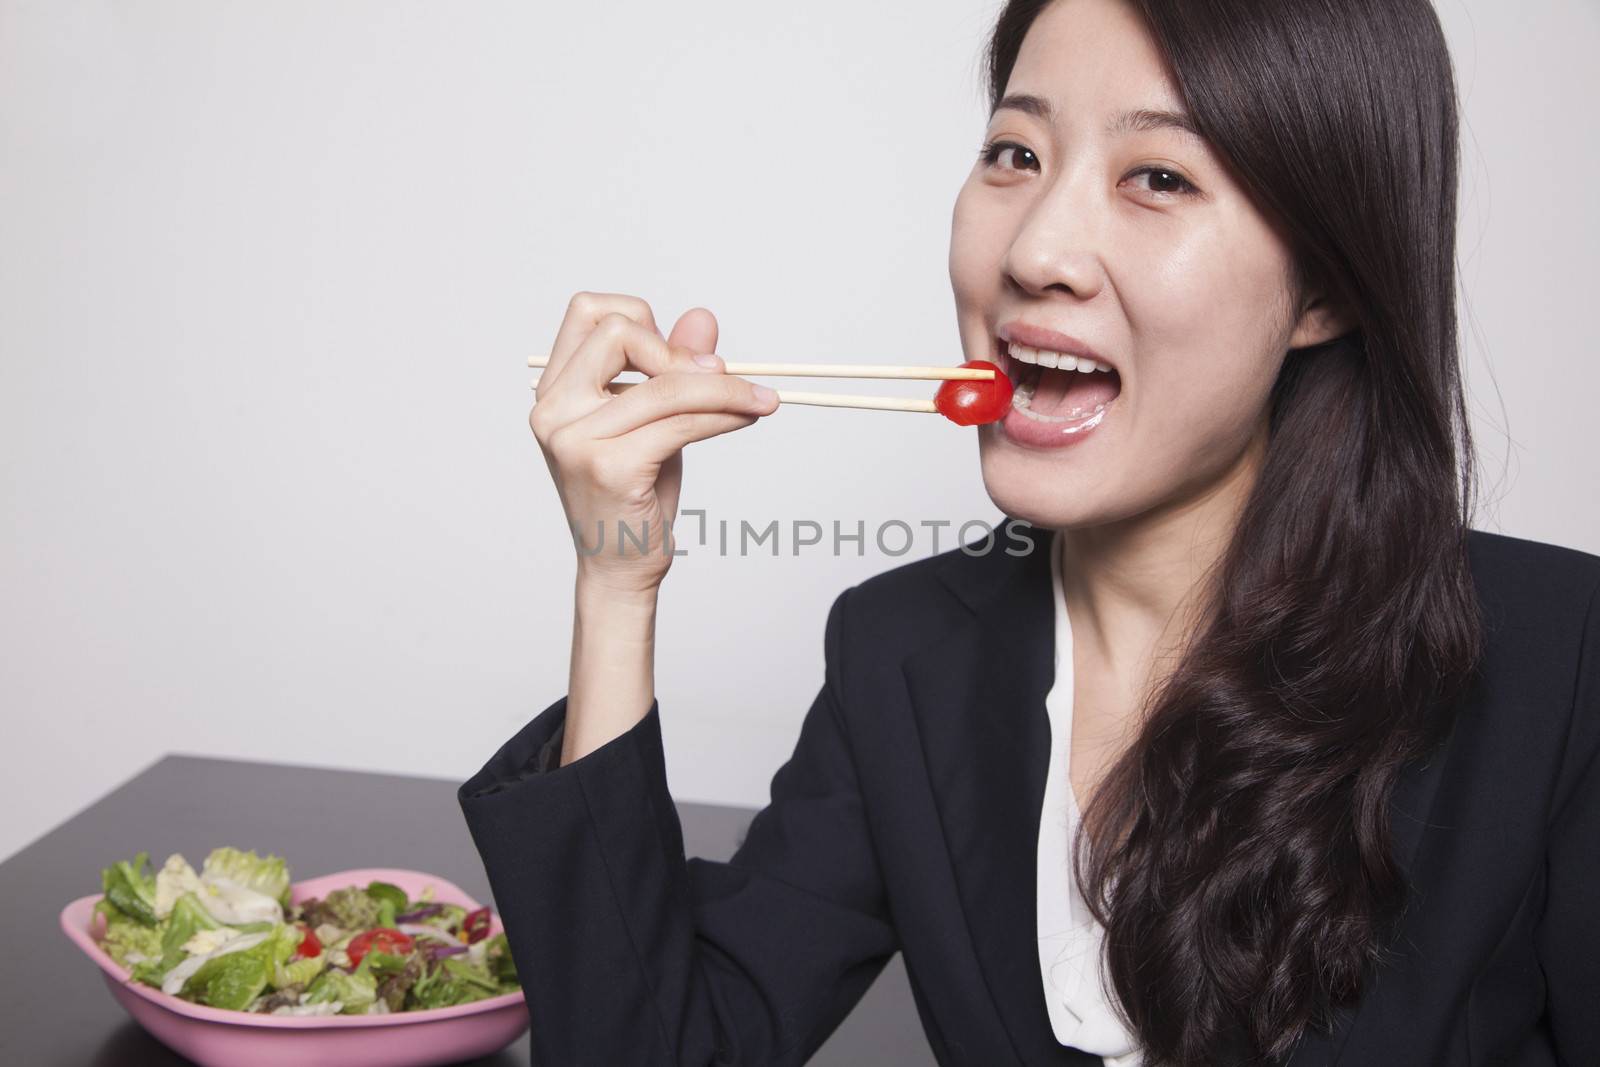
x: 1327, y: 756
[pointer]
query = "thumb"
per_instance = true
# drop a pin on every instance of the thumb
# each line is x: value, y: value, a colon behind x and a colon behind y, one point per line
x: 696, y: 330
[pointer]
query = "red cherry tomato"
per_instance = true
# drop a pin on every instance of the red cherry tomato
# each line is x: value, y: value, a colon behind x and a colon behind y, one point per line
x: 970, y: 403
x: 475, y: 926
x: 310, y: 947
x: 382, y: 939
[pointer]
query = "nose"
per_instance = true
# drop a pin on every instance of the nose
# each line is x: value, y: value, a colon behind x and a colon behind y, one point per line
x: 1057, y: 246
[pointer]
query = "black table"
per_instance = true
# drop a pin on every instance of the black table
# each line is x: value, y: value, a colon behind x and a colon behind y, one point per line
x: 55, y: 1010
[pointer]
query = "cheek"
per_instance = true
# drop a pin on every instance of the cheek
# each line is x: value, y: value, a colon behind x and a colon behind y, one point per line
x: 975, y: 246
x: 1205, y: 309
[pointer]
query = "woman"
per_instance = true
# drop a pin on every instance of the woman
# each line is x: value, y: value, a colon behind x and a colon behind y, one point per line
x: 1334, y: 752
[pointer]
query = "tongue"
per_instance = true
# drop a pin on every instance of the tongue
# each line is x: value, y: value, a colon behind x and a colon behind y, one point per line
x: 1071, y: 392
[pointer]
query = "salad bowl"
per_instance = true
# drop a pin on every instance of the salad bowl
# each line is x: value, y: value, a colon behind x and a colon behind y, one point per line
x: 215, y: 1037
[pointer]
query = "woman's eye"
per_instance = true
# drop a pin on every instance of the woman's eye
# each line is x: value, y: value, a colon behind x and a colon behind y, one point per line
x: 1166, y: 180
x: 991, y: 150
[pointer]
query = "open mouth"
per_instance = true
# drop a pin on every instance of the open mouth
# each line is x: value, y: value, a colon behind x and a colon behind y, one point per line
x: 1073, y: 389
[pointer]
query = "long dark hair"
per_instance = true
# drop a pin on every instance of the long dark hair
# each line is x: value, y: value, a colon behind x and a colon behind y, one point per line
x: 1239, y: 853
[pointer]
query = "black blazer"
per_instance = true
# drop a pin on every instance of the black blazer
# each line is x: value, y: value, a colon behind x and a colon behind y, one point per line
x: 907, y: 819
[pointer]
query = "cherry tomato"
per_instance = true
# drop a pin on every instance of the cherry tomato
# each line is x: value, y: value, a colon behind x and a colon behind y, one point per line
x: 475, y: 926
x: 310, y: 947
x: 969, y: 403
x: 382, y: 939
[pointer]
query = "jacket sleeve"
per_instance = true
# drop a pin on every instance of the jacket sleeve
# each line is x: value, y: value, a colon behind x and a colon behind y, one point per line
x: 1568, y: 936
x: 628, y: 952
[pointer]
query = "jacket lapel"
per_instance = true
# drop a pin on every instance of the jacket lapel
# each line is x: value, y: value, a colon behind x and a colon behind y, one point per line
x: 979, y: 698
x: 978, y: 692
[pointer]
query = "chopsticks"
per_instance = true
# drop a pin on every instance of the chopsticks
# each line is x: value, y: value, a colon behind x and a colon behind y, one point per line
x: 838, y: 370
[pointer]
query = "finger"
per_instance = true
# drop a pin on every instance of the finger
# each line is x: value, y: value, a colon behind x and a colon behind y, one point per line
x: 658, y: 441
x: 667, y: 395
x: 696, y: 329
x: 617, y: 343
x: 584, y: 312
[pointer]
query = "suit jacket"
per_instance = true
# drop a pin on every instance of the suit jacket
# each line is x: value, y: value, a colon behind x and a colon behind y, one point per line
x: 907, y: 819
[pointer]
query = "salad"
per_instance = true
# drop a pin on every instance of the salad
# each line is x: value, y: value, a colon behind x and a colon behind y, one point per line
x: 229, y: 937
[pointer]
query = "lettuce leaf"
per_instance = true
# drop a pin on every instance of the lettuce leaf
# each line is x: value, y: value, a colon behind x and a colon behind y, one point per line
x: 232, y: 980
x: 174, y: 879
x: 356, y: 991
x: 267, y: 875
x: 350, y: 909
x: 299, y: 972
x: 188, y: 918
x: 125, y: 935
x: 501, y: 967
x: 384, y: 891
x: 453, y: 981
x: 133, y: 891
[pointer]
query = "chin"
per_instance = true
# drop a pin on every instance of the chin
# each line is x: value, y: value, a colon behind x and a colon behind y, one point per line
x: 1022, y: 497
x: 1046, y: 495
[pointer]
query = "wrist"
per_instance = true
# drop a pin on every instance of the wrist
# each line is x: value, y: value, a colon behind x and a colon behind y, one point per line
x: 599, y: 598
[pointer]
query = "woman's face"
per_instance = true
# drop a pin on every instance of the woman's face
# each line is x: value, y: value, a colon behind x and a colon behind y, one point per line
x: 1101, y: 219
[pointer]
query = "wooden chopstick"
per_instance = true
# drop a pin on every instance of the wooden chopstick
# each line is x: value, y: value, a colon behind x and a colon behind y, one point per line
x: 823, y: 400
x: 837, y: 370
x: 842, y: 370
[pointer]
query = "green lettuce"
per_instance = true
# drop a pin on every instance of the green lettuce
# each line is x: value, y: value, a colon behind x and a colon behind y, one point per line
x: 393, y: 894
x: 497, y: 960
x: 454, y: 981
x: 234, y: 979
x: 267, y: 875
x: 381, y: 965
x: 188, y: 918
x: 300, y: 972
x: 449, y: 919
x: 133, y: 891
x: 125, y: 935
x: 231, y: 980
x: 288, y: 966
x: 351, y: 909
x: 356, y: 991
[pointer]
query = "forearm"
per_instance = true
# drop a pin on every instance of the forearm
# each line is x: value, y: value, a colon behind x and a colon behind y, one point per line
x: 612, y: 681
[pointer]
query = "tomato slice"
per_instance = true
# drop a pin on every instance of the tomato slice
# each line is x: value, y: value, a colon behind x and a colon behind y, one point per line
x: 380, y: 939
x: 309, y: 947
x: 971, y: 403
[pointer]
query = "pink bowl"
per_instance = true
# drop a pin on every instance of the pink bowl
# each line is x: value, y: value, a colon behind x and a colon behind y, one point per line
x: 214, y: 1037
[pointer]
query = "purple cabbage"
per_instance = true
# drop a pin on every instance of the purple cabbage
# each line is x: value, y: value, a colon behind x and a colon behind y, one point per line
x: 421, y: 913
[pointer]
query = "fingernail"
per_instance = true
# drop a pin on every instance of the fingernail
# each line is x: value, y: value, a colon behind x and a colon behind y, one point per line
x: 706, y: 359
x: 762, y: 393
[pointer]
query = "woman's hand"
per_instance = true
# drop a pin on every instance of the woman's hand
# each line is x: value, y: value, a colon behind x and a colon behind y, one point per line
x: 617, y: 459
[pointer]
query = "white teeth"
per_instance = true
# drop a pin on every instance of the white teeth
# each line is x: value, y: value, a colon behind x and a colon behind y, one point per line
x: 1022, y: 393
x: 1022, y: 396
x: 1056, y: 360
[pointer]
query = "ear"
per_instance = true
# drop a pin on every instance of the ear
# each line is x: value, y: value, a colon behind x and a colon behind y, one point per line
x: 1321, y: 320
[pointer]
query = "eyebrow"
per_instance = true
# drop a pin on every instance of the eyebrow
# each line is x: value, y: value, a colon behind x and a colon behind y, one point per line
x: 1141, y: 120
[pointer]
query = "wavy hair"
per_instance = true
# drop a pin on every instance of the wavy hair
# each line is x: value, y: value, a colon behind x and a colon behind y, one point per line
x: 1239, y: 853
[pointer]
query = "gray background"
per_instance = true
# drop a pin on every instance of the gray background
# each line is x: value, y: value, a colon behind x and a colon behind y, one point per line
x: 270, y: 272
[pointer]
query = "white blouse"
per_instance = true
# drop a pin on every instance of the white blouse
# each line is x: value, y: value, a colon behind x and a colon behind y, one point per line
x: 1069, y: 939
